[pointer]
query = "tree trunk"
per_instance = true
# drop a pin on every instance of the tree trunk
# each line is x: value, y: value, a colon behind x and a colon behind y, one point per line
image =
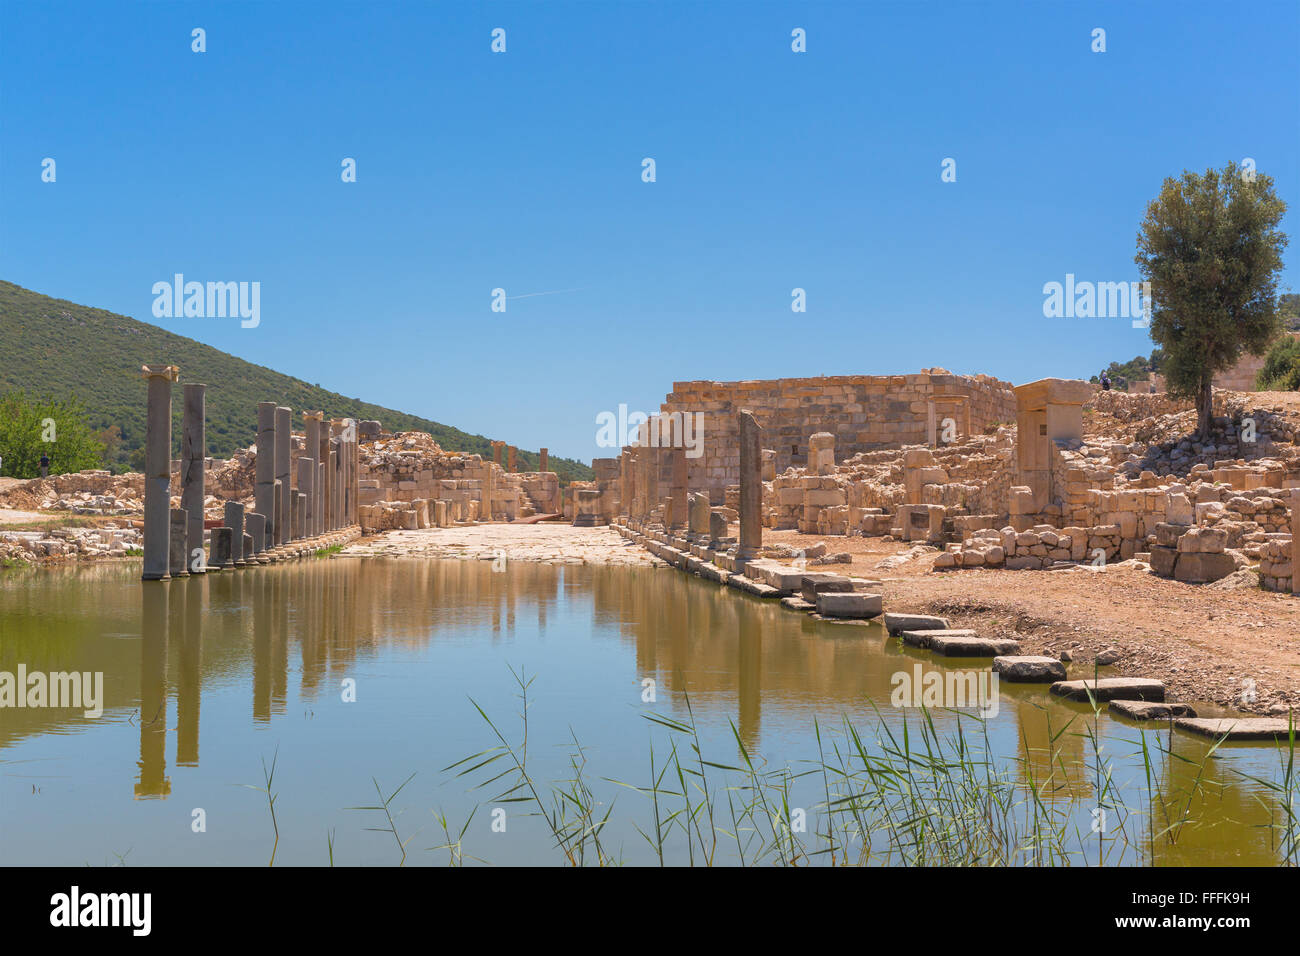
x: 1205, y: 407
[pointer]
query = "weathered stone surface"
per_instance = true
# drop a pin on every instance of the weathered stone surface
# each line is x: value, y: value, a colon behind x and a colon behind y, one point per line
x: 897, y: 623
x: 1200, y: 567
x: 922, y: 637
x: 1236, y: 728
x: 852, y: 604
x: 817, y: 582
x: 950, y: 645
x: 1111, y: 688
x: 1150, y: 710
x: 1029, y: 669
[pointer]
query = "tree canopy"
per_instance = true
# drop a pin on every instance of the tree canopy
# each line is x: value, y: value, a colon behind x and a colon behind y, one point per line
x: 30, y: 428
x: 1210, y: 247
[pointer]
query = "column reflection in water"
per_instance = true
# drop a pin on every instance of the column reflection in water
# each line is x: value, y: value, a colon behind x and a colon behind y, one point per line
x: 154, y: 621
x: 189, y: 678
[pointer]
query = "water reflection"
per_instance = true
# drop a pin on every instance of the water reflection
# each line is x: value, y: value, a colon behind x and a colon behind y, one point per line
x: 297, y: 630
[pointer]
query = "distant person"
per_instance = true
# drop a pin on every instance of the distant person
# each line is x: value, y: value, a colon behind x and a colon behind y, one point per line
x: 1105, y: 382
x: 45, y: 466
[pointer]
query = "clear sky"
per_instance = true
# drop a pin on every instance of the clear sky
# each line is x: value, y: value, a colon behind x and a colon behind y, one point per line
x: 523, y: 170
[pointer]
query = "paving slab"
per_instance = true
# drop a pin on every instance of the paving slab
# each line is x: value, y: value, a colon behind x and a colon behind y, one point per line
x: 1111, y: 688
x: 1029, y: 669
x: 1236, y: 728
x: 1150, y: 710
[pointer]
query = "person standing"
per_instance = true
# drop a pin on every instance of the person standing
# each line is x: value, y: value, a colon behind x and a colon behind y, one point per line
x: 45, y: 466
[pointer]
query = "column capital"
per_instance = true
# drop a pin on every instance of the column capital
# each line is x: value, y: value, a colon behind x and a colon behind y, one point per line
x: 313, y: 416
x: 170, y: 372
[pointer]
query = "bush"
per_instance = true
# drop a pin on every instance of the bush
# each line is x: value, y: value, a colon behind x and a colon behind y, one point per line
x: 30, y: 428
x: 1281, y: 371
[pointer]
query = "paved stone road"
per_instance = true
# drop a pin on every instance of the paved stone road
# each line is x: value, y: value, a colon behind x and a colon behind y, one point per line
x: 549, y: 543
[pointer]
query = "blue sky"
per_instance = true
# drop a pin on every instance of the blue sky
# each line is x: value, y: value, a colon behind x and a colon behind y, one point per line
x: 775, y: 170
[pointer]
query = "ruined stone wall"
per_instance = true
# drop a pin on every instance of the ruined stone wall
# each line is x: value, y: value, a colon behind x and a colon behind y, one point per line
x: 863, y: 412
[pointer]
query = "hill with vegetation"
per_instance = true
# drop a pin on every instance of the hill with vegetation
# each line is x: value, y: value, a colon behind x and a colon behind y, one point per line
x: 58, y: 349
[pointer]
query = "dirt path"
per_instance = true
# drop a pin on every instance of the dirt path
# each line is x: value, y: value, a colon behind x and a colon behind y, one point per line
x: 1204, y: 643
x: 551, y: 543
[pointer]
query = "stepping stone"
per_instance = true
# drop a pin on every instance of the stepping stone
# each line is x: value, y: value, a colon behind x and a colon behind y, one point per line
x: 1236, y: 728
x: 851, y: 604
x: 797, y: 604
x: 898, y: 623
x: 1150, y: 710
x: 1111, y: 688
x: 952, y: 646
x: 921, y: 638
x: 814, y: 584
x: 1029, y: 669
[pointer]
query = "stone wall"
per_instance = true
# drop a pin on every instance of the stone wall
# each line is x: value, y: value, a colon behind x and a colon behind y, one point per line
x: 862, y: 412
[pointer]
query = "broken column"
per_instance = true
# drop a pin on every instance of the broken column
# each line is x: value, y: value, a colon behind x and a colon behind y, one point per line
x: 821, y: 454
x: 234, y: 518
x: 307, y: 484
x: 1295, y: 541
x: 255, y: 523
x: 699, y: 518
x: 320, y: 495
x: 194, y: 450
x: 284, y: 524
x: 157, y: 471
x: 311, y: 425
x: 679, y: 509
x: 264, y: 490
x: 178, y: 552
x: 273, y: 537
x: 543, y: 465
x: 220, y: 559
x: 751, y: 488
x: 332, y: 467
x: 510, y: 457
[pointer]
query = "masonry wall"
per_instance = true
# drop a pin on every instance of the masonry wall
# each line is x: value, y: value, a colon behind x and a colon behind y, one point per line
x: 863, y: 412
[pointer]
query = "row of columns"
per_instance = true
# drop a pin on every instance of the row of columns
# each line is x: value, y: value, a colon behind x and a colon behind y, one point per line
x: 649, y: 468
x: 324, y: 500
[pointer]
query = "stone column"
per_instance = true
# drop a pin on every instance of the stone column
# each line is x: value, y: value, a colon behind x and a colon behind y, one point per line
x: 699, y: 517
x: 284, y: 525
x: 677, y: 518
x: 332, y: 509
x: 544, y: 456
x: 255, y: 523
x: 298, y: 515
x: 496, y: 451
x: 931, y: 424
x: 1295, y: 541
x: 178, y: 551
x: 311, y: 425
x: 307, y: 484
x: 273, y: 538
x: 510, y: 457
x: 221, y: 559
x: 157, y: 471
x: 234, y: 518
x: 751, y: 488
x: 321, y: 518
x: 194, y: 450
x: 265, y: 487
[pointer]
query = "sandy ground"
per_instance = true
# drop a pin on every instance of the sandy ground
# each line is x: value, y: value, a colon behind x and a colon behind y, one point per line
x: 547, y: 542
x: 10, y: 516
x: 1204, y: 643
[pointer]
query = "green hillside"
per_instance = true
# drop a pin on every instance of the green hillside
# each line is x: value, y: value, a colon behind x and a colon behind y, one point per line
x: 52, y: 347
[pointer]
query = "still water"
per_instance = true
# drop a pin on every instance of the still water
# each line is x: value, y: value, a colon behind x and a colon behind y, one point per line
x: 347, y: 673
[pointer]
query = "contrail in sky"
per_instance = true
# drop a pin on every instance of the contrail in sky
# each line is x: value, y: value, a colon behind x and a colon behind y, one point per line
x: 529, y: 295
